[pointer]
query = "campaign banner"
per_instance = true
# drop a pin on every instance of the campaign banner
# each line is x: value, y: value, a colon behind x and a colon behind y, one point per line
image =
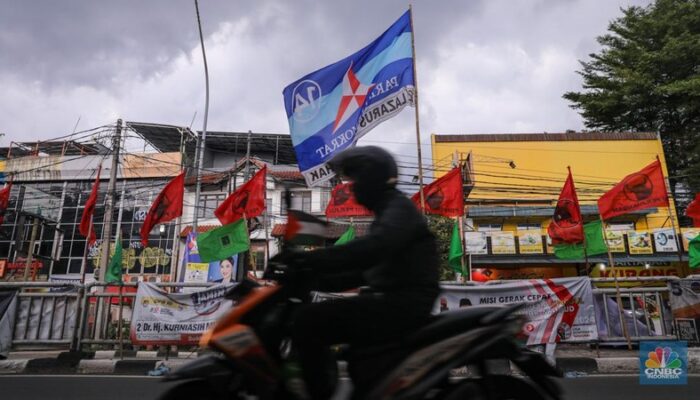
x: 665, y: 240
x: 162, y: 318
x: 530, y: 242
x: 685, y: 305
x: 476, y: 242
x: 559, y: 310
x: 502, y: 243
x: 639, y: 242
x: 196, y: 271
x: 615, y: 241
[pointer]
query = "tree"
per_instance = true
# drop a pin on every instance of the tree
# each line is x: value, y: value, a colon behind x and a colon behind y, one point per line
x: 646, y: 78
x: 442, y: 227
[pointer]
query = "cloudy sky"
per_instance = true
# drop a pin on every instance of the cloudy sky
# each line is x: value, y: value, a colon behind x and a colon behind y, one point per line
x: 484, y: 66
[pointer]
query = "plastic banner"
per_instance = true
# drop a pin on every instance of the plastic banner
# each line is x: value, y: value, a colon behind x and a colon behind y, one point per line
x: 476, y: 243
x: 665, y: 240
x: 502, y: 243
x: 639, y: 242
x: 161, y: 318
x: 685, y: 304
x: 558, y: 309
x: 530, y: 242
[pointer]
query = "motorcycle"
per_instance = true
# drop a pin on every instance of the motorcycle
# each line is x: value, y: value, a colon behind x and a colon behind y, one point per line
x: 253, y: 357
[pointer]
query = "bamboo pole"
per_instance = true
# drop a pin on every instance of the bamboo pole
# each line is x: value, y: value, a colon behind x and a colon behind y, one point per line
x: 617, y: 289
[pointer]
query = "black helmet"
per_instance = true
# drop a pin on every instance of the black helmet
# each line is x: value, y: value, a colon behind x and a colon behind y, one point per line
x: 372, y: 169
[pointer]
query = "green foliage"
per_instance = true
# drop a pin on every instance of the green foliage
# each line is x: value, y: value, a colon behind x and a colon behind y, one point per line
x: 647, y: 78
x: 442, y: 227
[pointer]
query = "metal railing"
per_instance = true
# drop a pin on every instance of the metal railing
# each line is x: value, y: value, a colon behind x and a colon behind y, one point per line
x: 74, y: 316
x: 645, y: 309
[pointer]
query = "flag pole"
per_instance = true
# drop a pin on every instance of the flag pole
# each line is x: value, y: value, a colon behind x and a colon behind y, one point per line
x: 460, y: 221
x: 617, y: 288
x: 415, y: 97
x: 585, y: 251
x: 676, y: 234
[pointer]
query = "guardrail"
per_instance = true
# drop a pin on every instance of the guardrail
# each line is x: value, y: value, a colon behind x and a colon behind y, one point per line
x: 73, y: 316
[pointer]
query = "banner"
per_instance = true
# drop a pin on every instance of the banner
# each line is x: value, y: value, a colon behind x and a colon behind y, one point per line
x: 639, y: 242
x: 665, y: 240
x: 616, y: 241
x: 476, y: 243
x: 558, y: 309
x: 161, y: 318
x: 223, y: 271
x: 685, y: 305
x: 502, y: 243
x: 8, y: 307
x: 530, y: 242
x: 328, y: 110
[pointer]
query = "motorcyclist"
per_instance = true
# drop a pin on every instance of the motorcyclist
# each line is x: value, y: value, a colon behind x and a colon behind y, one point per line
x: 397, y: 260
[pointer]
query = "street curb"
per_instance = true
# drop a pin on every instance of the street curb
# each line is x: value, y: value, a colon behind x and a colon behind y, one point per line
x: 12, y: 366
x: 577, y: 364
x: 134, y: 367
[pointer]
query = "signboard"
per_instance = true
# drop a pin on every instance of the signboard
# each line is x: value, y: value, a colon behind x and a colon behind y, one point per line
x: 530, y: 242
x: 688, y: 234
x: 502, y: 243
x: 639, y: 242
x: 665, y: 240
x: 616, y: 241
x: 476, y: 242
x: 495, y: 274
x: 161, y: 318
x: 633, y: 271
x: 558, y: 309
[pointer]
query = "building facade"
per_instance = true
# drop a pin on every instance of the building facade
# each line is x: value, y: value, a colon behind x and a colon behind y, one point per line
x: 513, y: 182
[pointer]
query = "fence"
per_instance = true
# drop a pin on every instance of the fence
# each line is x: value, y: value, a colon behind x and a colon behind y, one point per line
x: 73, y: 316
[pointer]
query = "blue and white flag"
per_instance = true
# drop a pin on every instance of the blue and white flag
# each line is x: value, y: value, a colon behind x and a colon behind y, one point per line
x: 330, y: 109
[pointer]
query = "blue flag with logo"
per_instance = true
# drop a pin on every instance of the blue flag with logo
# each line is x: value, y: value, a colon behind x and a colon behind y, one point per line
x: 330, y: 109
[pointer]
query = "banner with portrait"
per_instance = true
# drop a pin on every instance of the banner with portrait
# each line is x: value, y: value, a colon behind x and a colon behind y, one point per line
x: 196, y: 271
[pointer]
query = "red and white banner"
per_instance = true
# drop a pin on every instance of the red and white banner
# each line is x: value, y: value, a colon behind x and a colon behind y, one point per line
x: 559, y: 310
x: 162, y: 318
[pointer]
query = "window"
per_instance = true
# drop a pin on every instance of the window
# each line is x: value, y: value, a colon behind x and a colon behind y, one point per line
x: 625, y: 226
x: 529, y: 227
x: 301, y: 200
x: 208, y: 203
x: 489, y: 227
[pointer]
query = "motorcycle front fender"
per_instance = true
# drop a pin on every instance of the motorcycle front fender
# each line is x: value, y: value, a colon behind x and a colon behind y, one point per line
x: 206, y: 367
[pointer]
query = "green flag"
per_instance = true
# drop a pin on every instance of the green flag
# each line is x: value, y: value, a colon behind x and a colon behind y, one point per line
x: 455, y: 258
x: 347, y: 236
x: 694, y: 252
x: 114, y: 270
x: 223, y: 242
x: 595, y: 244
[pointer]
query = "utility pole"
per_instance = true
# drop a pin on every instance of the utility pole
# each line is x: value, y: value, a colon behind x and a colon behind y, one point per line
x: 203, y: 138
x: 30, y: 250
x: 247, y: 158
x: 109, y: 206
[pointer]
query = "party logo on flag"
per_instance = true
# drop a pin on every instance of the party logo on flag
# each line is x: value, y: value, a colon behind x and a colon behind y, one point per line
x: 329, y: 109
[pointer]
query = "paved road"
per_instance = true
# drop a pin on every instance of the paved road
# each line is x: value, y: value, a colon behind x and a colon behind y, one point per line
x: 86, y: 387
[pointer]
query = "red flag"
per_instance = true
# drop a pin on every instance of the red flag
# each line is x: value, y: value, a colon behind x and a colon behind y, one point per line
x: 636, y: 191
x: 567, y: 223
x: 86, y: 227
x: 693, y: 210
x: 249, y: 199
x: 444, y: 196
x: 167, y: 206
x: 5, y: 200
x: 344, y: 204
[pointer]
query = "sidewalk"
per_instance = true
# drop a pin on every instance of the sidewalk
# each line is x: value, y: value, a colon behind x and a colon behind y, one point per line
x: 572, y: 359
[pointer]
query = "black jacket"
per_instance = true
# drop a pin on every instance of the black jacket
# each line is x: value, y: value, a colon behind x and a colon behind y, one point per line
x: 398, y: 255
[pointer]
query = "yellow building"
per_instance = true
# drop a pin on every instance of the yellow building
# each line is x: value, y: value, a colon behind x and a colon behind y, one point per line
x: 513, y: 183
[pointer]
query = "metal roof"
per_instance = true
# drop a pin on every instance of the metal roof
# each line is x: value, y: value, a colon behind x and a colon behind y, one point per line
x: 275, y: 147
x: 58, y: 147
x: 545, y: 137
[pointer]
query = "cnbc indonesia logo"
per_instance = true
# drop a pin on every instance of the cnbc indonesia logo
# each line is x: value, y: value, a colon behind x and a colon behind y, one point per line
x: 663, y: 364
